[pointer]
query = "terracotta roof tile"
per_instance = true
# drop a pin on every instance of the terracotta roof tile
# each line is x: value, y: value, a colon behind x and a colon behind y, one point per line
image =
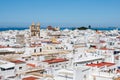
x: 18, y: 61
x: 30, y: 78
x: 101, y: 64
x: 55, y: 60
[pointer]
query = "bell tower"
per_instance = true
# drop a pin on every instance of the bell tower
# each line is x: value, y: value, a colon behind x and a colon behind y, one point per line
x: 38, y: 29
x: 35, y: 29
x: 32, y: 29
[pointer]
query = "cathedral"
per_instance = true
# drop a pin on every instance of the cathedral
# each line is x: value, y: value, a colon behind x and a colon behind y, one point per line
x: 35, y: 30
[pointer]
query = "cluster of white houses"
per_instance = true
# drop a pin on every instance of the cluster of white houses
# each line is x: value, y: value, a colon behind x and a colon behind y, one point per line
x: 39, y: 54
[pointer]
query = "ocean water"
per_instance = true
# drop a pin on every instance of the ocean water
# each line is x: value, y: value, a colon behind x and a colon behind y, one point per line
x: 11, y: 28
x: 62, y: 28
x: 104, y: 28
x: 23, y: 28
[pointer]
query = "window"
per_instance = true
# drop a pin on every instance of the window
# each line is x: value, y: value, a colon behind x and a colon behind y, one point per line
x: 20, y: 68
x: 76, y: 64
x: 52, y: 65
x: 3, y: 69
x: 51, y: 48
x: 66, y: 47
x: 34, y: 50
x: 84, y: 76
x: 97, y: 62
x: 10, y: 68
x: 40, y: 50
x: 26, y: 59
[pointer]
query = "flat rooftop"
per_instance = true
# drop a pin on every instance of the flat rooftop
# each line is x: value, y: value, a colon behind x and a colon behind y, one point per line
x: 6, y: 64
x: 51, y: 52
x: 87, y: 59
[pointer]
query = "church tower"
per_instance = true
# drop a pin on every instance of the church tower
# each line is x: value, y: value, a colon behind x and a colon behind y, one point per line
x: 38, y: 30
x: 32, y: 29
x: 35, y: 30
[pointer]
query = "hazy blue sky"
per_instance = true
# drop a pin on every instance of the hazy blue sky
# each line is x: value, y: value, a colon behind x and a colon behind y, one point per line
x: 60, y: 12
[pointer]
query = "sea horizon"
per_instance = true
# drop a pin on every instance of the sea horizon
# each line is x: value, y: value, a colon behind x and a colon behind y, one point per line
x: 61, y: 28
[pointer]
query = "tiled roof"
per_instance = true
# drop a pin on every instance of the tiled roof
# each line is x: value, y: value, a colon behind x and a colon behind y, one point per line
x: 18, y: 61
x: 55, y: 60
x: 32, y: 65
x: 101, y: 64
x: 30, y: 78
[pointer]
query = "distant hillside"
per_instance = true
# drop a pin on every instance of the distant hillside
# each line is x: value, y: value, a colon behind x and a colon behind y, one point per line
x: 82, y: 28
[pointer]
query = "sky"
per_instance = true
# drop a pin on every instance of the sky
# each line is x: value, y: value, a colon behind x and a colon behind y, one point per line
x: 60, y: 12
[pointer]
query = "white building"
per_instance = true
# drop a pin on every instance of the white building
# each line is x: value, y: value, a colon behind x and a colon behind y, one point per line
x: 7, y: 69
